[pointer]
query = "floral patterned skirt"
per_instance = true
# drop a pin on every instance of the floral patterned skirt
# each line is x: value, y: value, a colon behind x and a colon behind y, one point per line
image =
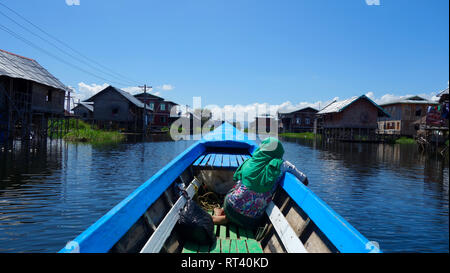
x: 245, y: 205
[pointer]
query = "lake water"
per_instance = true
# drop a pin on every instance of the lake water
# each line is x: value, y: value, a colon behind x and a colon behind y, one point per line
x: 392, y: 194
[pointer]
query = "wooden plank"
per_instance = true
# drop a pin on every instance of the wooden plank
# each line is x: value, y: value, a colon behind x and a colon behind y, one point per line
x: 199, y: 160
x: 233, y: 161
x: 190, y: 247
x: 239, y: 160
x: 226, y: 161
x: 211, y: 160
x: 290, y: 241
x: 254, y: 247
x: 243, y: 158
x: 223, y: 232
x: 218, y: 161
x: 233, y: 246
x: 225, y: 245
x: 205, y: 161
x: 159, y: 237
x: 233, y: 231
x: 241, y: 246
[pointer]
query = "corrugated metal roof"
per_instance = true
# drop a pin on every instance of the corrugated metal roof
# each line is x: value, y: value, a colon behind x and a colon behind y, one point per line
x: 409, y: 100
x: 88, y: 106
x: 127, y: 95
x: 444, y: 92
x: 16, y: 66
x: 298, y: 110
x: 339, y: 106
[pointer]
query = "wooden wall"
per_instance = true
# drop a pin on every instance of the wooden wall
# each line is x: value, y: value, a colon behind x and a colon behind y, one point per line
x: 40, y: 103
x: 111, y: 106
x: 360, y: 114
x: 82, y: 112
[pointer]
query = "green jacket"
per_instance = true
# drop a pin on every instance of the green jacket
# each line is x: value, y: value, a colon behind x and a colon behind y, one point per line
x: 261, y: 171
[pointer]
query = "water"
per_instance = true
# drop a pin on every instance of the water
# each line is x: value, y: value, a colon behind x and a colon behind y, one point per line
x: 392, y: 194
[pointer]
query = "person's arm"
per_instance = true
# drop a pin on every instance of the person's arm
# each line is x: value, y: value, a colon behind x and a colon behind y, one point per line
x: 289, y: 167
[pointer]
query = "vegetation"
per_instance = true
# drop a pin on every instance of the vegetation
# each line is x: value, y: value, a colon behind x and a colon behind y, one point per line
x: 80, y: 131
x: 405, y: 140
x: 305, y: 135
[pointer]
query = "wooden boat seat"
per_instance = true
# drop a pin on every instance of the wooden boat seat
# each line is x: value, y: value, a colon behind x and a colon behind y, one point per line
x: 217, y: 160
x: 234, y: 239
x: 230, y: 239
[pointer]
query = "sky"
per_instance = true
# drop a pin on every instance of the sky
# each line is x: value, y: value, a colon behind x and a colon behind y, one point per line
x: 237, y: 55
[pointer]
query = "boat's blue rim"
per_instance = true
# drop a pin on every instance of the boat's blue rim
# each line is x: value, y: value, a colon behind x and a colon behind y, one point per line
x: 105, y: 232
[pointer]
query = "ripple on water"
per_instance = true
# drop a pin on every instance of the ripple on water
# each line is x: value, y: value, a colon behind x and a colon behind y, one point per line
x: 391, y: 194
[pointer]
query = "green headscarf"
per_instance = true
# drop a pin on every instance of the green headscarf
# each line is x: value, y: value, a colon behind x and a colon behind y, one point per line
x: 262, y: 170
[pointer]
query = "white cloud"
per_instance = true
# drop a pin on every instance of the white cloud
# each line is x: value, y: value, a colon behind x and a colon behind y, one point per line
x: 249, y: 112
x: 238, y: 112
x: 391, y: 97
x: 134, y: 90
x: 86, y: 91
x: 166, y: 87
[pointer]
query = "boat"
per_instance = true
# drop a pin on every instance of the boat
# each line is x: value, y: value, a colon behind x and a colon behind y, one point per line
x: 296, y: 221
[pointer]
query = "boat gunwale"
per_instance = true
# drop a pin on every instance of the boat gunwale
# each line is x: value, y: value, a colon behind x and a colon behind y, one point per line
x: 103, y: 234
x: 339, y: 232
x: 109, y: 229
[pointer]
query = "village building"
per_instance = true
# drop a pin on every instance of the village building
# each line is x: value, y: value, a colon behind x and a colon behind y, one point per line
x: 353, y: 119
x: 405, y: 116
x: 434, y: 126
x: 29, y: 97
x: 84, y: 111
x: 116, y: 109
x: 264, y: 124
x: 160, y: 108
x: 298, y: 121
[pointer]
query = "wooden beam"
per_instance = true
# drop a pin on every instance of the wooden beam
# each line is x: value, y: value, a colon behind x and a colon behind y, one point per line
x: 159, y: 237
x: 291, y: 242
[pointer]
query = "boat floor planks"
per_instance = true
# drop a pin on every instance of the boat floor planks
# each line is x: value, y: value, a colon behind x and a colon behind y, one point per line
x: 229, y: 239
x: 220, y: 160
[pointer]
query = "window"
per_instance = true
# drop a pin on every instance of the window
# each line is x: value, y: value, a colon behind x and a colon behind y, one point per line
x: 298, y: 121
x: 418, y: 112
x: 163, y: 119
x: 307, y: 121
x: 48, y: 97
x: 115, y: 111
x: 163, y: 107
x: 152, y: 106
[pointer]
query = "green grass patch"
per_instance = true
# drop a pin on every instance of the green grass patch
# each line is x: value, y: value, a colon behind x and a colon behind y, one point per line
x: 80, y: 131
x: 405, y: 140
x: 305, y: 135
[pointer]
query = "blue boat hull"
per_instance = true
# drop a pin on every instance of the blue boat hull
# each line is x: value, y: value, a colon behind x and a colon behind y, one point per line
x: 121, y: 230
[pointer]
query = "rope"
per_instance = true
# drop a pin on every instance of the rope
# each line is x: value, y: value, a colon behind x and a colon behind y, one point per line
x: 209, y: 201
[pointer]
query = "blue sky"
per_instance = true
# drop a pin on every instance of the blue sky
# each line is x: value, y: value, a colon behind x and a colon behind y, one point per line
x: 245, y: 51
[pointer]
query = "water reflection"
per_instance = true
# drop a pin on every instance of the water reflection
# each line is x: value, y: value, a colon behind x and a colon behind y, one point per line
x: 51, y: 195
x: 392, y: 194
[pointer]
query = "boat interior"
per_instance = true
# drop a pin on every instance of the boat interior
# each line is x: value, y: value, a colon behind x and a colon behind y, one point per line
x: 286, y: 228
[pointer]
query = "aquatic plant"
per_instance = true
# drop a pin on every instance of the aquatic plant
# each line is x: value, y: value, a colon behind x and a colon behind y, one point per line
x: 305, y: 135
x: 405, y: 140
x: 80, y: 131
